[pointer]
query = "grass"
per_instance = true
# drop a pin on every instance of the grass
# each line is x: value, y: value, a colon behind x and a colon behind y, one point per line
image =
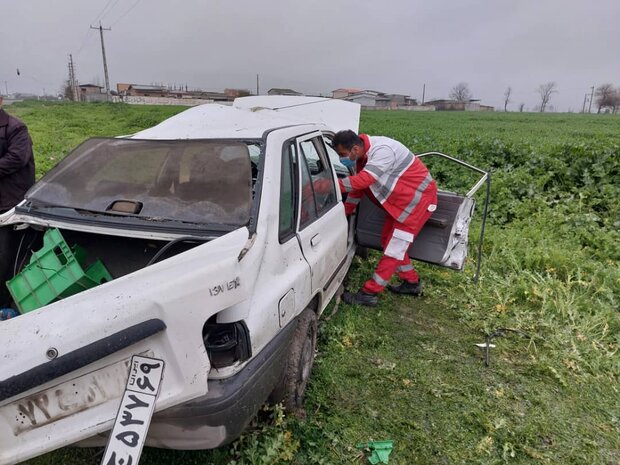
x: 57, y: 128
x: 409, y: 370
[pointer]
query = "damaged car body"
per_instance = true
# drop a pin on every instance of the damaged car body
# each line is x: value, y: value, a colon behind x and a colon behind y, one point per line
x: 219, y: 258
x: 221, y: 263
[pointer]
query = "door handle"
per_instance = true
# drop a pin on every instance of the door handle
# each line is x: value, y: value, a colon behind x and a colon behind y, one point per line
x: 316, y: 240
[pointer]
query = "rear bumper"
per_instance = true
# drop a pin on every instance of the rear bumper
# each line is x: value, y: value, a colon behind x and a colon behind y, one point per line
x: 220, y: 416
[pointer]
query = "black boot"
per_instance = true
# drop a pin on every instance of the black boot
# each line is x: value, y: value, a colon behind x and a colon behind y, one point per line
x: 407, y: 288
x: 360, y: 298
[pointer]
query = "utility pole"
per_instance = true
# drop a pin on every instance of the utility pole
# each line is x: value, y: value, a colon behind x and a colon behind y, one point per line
x: 6, y: 88
x: 591, y: 98
x: 73, y: 84
x: 585, y: 98
x: 257, y: 88
x: 423, y: 93
x: 105, y: 63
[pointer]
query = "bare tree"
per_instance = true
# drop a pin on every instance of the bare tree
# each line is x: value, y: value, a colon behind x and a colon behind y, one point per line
x: 461, y: 93
x: 507, y: 97
x: 521, y: 107
x: 607, y: 96
x: 545, y: 91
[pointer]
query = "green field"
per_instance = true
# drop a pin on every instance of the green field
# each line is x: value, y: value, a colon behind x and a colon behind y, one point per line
x: 408, y: 370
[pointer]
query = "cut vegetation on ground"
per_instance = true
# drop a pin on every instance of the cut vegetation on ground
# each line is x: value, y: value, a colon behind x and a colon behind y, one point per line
x: 409, y: 371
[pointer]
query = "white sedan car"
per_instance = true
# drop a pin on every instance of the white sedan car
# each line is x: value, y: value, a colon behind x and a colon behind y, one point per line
x: 219, y: 257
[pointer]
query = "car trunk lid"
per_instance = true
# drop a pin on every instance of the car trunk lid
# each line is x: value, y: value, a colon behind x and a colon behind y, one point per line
x: 64, y: 366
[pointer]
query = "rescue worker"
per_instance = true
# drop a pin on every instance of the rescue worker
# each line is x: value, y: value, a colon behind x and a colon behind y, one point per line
x: 16, y: 160
x: 397, y: 181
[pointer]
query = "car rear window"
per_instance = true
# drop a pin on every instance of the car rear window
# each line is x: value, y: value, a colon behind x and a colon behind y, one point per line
x: 196, y: 181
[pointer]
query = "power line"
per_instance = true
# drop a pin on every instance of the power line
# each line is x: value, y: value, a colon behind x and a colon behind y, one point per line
x: 126, y: 12
x: 84, y: 40
x: 99, y: 17
x: 103, y: 12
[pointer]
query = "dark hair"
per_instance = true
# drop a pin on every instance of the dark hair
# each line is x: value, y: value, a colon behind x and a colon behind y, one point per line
x: 347, y: 139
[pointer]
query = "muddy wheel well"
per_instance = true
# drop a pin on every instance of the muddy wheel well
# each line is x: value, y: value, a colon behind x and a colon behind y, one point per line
x: 315, y: 303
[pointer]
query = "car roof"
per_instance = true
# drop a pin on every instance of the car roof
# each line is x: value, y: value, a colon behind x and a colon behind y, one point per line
x: 250, y: 117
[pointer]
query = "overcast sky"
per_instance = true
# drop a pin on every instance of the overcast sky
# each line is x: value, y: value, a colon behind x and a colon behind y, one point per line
x: 394, y: 46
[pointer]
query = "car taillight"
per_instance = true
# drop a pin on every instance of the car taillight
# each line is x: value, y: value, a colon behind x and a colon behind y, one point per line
x: 227, y: 343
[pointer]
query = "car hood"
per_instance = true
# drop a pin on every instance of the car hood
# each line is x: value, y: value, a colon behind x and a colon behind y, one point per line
x: 162, y: 307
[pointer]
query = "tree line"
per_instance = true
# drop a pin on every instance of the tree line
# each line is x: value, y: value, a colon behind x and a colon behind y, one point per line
x: 607, y: 97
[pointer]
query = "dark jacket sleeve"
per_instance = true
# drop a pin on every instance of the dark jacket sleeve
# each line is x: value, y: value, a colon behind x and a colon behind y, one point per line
x: 18, y: 152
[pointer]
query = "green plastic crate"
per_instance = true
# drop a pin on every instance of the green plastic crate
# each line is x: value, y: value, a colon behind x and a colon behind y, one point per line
x: 55, y: 271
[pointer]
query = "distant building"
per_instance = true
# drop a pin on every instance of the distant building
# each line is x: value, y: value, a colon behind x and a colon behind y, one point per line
x: 453, y: 105
x: 369, y: 98
x: 446, y: 105
x: 91, y: 93
x: 278, y: 91
x: 215, y: 96
x: 234, y: 93
x: 122, y: 88
x: 24, y: 96
x: 400, y: 100
x: 374, y: 99
x: 344, y: 92
x: 178, y: 93
x: 141, y: 90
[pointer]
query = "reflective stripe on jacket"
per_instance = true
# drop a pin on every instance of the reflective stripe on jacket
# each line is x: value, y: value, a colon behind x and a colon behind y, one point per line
x: 392, y: 175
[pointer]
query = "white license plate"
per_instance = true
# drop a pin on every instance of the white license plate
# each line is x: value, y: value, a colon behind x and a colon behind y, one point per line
x: 135, y: 412
x: 66, y: 399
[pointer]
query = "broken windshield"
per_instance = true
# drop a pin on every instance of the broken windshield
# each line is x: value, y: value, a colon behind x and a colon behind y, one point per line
x: 195, y: 181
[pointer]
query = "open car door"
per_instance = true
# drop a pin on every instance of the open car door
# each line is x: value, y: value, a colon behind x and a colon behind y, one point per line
x: 444, y: 238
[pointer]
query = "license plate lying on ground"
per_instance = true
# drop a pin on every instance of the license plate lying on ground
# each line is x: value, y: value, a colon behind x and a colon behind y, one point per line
x: 135, y: 412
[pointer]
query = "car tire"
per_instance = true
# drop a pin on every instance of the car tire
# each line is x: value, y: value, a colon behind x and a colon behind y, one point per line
x: 291, y: 387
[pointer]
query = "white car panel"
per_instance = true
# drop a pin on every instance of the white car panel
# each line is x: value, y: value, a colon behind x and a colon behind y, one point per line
x: 175, y: 290
x: 333, y: 113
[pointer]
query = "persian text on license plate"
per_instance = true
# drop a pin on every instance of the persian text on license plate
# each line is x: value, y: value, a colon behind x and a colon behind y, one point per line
x: 66, y: 399
x: 135, y: 412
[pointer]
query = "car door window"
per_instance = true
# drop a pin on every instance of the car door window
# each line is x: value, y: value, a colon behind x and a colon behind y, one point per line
x: 307, y: 212
x: 324, y: 189
x: 286, y: 228
x: 342, y: 169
